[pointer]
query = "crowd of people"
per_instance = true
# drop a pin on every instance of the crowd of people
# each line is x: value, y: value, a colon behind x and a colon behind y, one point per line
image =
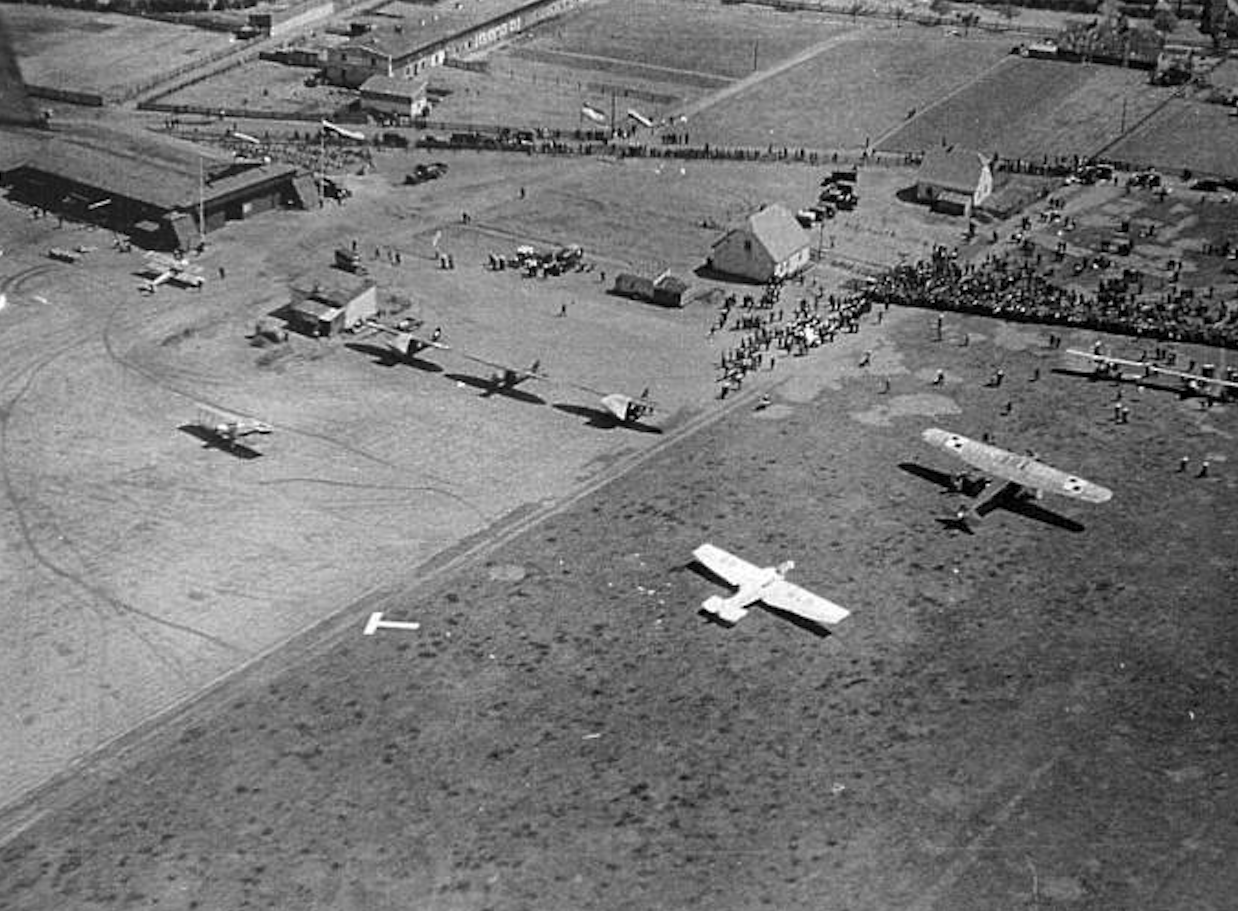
x: 1011, y: 288
x: 768, y: 328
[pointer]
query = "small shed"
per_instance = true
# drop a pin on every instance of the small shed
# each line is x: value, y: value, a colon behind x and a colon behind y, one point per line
x: 395, y: 96
x: 629, y: 285
x: 315, y: 317
x: 671, y: 291
x: 356, y: 303
x: 329, y: 309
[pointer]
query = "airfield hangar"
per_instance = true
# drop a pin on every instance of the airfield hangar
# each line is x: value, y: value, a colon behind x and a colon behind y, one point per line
x: 151, y: 188
x: 954, y: 180
x: 412, y: 46
x: 768, y: 245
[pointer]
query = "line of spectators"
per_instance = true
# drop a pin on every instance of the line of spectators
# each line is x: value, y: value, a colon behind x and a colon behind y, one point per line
x: 1003, y: 287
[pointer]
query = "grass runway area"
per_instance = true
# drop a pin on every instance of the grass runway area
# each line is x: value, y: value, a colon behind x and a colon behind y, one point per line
x: 564, y: 731
x: 100, y: 52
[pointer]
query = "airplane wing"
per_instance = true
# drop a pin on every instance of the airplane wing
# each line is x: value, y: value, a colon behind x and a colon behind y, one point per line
x: 728, y: 566
x: 406, y: 343
x: 1010, y: 466
x: 789, y: 597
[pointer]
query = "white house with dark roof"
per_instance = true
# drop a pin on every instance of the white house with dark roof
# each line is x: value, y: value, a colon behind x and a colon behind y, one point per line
x: 954, y: 179
x: 769, y: 244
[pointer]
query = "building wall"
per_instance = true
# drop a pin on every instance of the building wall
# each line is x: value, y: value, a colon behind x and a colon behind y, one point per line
x: 350, y: 67
x: 362, y: 307
x: 739, y: 253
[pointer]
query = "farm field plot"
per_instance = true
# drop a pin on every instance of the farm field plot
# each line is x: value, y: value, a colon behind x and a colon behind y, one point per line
x: 1184, y: 134
x: 854, y: 90
x: 263, y: 85
x: 519, y: 92
x: 98, y: 52
x: 1029, y: 716
x: 1028, y: 108
x: 689, y: 35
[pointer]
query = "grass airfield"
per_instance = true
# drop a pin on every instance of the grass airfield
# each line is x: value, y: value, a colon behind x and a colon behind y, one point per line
x: 1026, y: 716
x: 1035, y: 715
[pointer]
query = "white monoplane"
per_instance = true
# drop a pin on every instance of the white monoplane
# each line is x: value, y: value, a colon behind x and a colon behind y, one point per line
x: 1025, y: 476
x: 765, y: 584
x: 228, y: 428
x: 626, y: 409
x: 405, y: 342
x: 163, y: 267
x: 1110, y: 367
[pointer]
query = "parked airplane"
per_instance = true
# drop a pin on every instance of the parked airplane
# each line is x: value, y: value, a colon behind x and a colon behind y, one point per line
x: 405, y: 342
x: 1193, y: 383
x: 509, y: 377
x: 164, y: 267
x: 765, y: 584
x: 228, y: 428
x: 1025, y: 476
x: 627, y: 409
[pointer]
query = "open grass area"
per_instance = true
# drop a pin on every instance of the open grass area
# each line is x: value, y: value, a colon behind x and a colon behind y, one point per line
x: 263, y: 85
x: 520, y: 92
x: 1031, y: 716
x: 1029, y: 109
x: 100, y: 52
x: 860, y: 86
x: 690, y: 35
x: 1184, y: 134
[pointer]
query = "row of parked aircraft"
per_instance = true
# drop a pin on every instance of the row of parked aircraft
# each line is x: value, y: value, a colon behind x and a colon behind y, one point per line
x: 405, y: 342
x: 1025, y: 477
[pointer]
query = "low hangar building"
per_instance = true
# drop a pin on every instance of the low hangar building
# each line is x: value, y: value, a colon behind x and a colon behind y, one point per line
x: 153, y: 188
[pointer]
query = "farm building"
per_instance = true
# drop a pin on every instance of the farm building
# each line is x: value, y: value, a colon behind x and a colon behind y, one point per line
x: 412, y: 46
x: 153, y: 188
x: 395, y: 96
x: 327, y: 310
x: 954, y: 180
x: 637, y: 286
x: 671, y: 291
x: 770, y: 244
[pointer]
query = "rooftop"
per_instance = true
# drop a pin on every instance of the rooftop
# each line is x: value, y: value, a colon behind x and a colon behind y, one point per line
x: 775, y: 229
x: 953, y: 168
x: 403, y: 28
x: 157, y: 170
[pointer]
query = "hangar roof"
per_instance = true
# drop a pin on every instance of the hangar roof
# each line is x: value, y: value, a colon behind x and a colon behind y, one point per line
x: 153, y: 169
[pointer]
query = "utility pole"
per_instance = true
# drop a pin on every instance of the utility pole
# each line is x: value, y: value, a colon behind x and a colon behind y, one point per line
x: 201, y: 205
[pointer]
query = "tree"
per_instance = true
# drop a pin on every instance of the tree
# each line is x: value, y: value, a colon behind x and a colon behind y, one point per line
x: 1164, y: 21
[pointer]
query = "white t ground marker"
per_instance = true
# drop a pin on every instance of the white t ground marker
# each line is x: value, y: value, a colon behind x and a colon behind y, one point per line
x: 376, y: 622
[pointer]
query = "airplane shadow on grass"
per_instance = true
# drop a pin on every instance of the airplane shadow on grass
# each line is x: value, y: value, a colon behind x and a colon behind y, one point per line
x: 728, y: 589
x: 602, y: 419
x: 1143, y: 381
x: 1026, y: 508
x: 385, y: 357
x: 215, y: 441
x: 489, y: 388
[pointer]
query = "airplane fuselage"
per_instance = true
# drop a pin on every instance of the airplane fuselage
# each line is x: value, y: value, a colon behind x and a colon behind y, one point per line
x: 733, y: 608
